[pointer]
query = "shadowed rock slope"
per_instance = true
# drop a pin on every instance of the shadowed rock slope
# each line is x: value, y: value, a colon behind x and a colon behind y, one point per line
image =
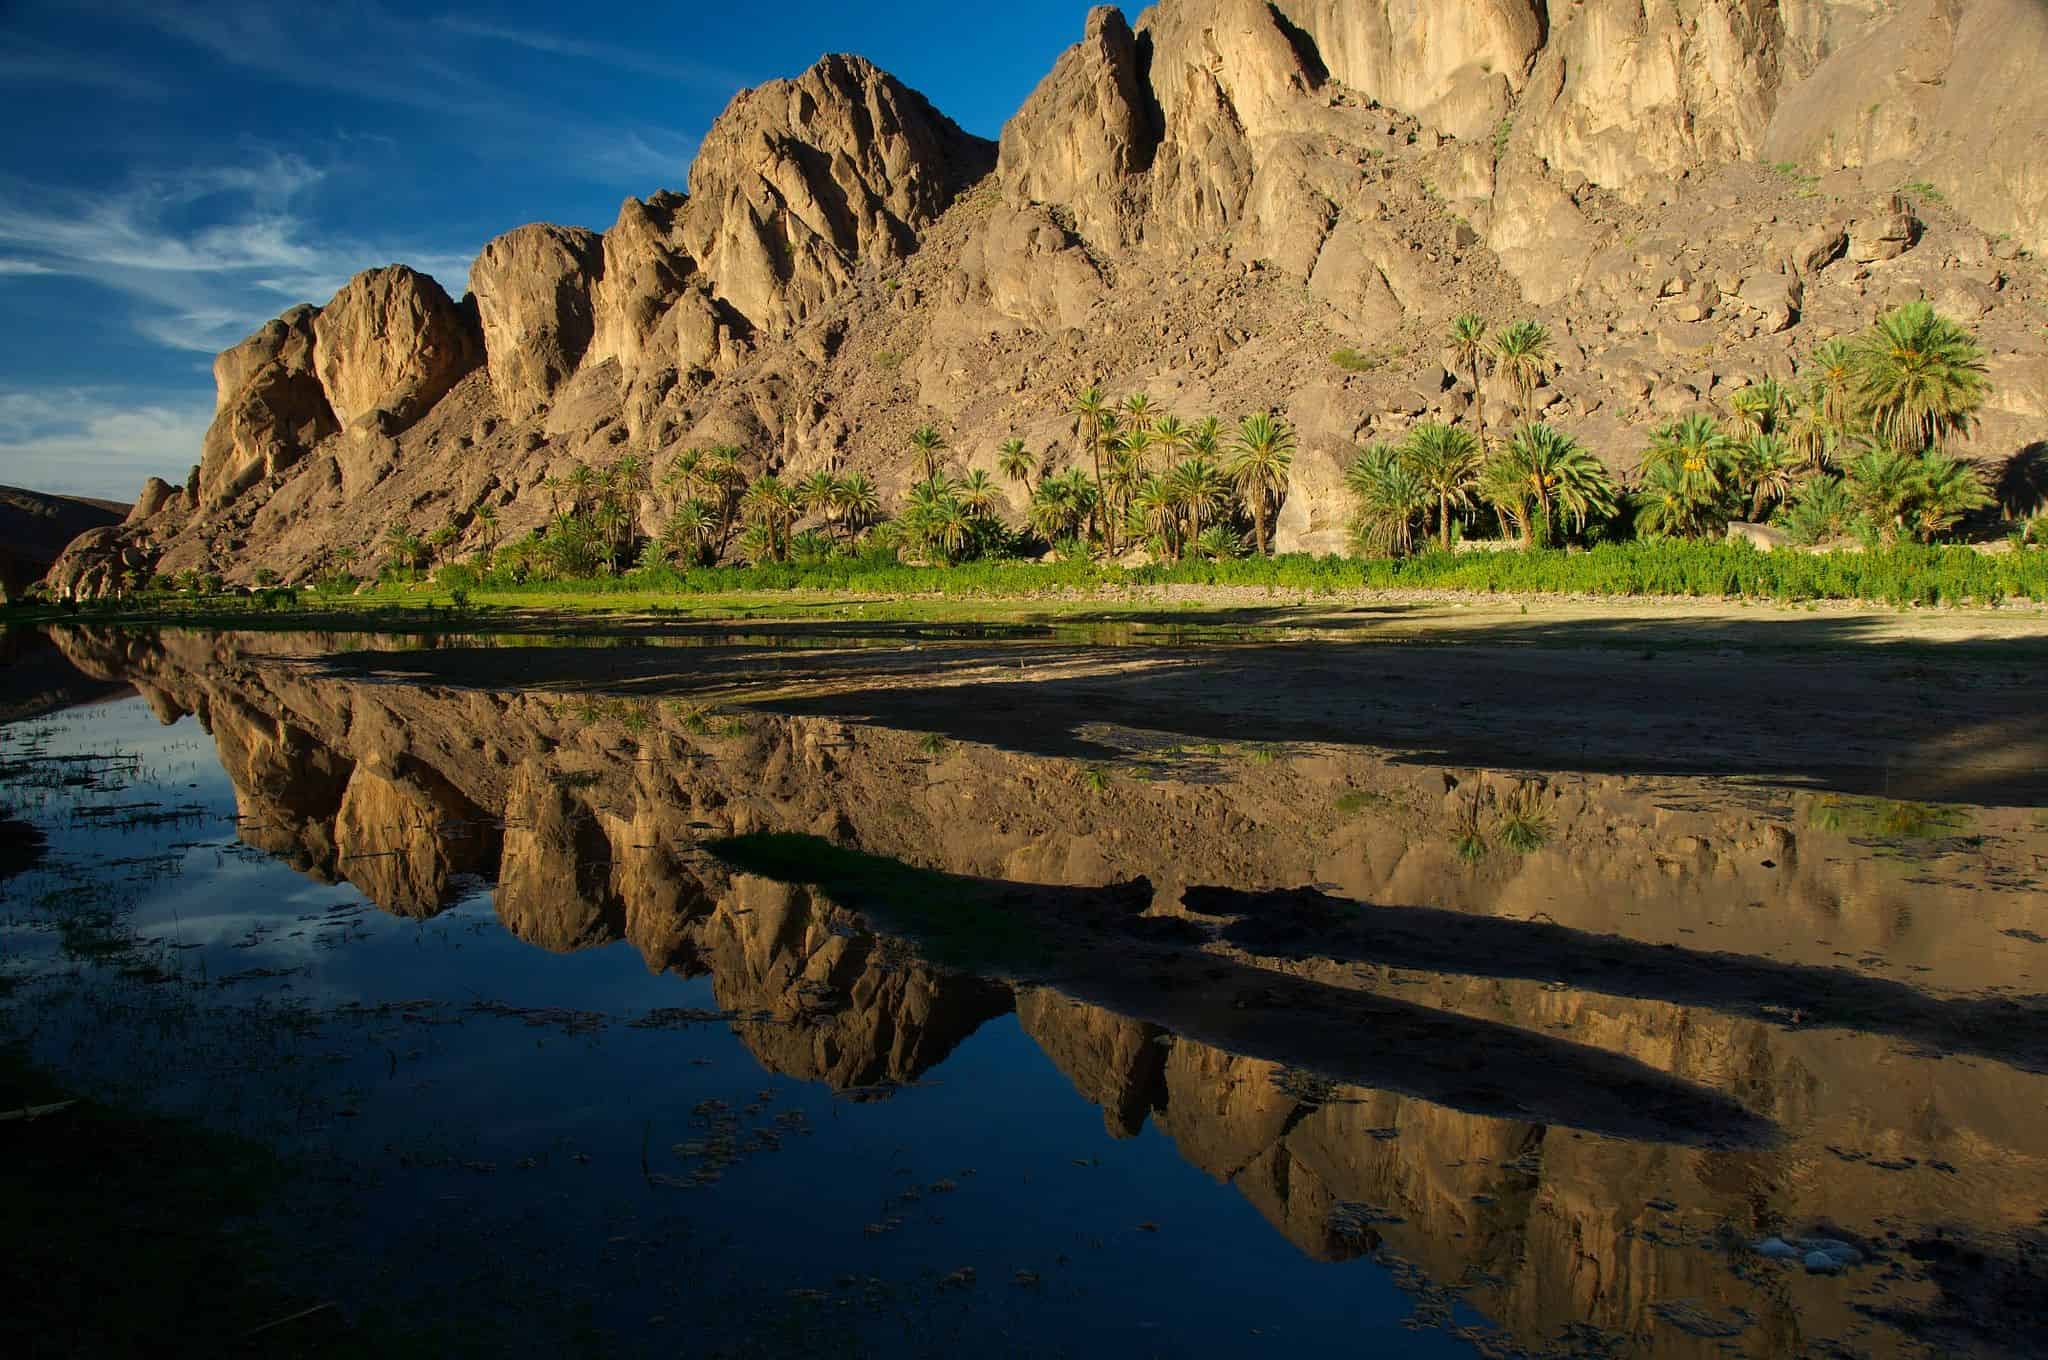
x: 1204, y: 205
x: 35, y: 529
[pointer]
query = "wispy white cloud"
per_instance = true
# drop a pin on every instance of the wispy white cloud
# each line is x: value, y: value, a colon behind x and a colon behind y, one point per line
x: 27, y: 62
x: 96, y: 441
x: 367, y: 52
x: 694, y: 74
x: 206, y: 254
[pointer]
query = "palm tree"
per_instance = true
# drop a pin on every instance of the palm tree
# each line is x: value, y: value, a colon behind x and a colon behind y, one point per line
x: 684, y: 475
x: 1521, y: 352
x: 1808, y: 433
x: 1205, y: 438
x: 722, y: 474
x: 614, y: 525
x: 1687, y: 471
x: 1447, y: 461
x: 771, y: 506
x: 1468, y: 347
x: 1135, y: 440
x: 1666, y: 507
x: 818, y: 493
x: 1218, y: 542
x: 1119, y: 483
x: 487, y: 517
x: 1820, y: 511
x: 1919, y: 378
x: 1154, y: 513
x: 404, y: 548
x: 1881, y: 483
x: 1759, y: 408
x: 951, y: 527
x: 1170, y: 435
x: 1697, y: 450
x: 1831, y: 384
x: 928, y: 444
x: 859, y: 503
x: 1015, y: 462
x: 1948, y: 489
x: 1542, y: 477
x: 439, y: 541
x: 757, y: 545
x: 582, y: 482
x: 1769, y: 470
x: 1200, y: 493
x: 1088, y: 411
x: 977, y: 494
x: 689, y: 531
x: 1264, y: 451
x: 629, y: 475
x: 1138, y: 411
x: 1391, y: 498
x: 1052, y: 514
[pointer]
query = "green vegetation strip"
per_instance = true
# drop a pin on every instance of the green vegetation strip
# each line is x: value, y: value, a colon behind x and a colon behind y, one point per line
x: 1904, y: 574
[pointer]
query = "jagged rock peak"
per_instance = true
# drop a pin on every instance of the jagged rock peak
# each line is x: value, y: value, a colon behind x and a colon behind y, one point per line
x: 269, y: 407
x: 802, y: 181
x: 1088, y: 127
x: 533, y: 293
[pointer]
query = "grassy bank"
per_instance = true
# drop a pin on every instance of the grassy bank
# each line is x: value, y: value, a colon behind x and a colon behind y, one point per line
x: 1907, y: 575
x: 1903, y: 575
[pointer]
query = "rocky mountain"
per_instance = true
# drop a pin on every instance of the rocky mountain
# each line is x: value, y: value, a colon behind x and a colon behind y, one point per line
x: 35, y: 528
x: 1205, y: 205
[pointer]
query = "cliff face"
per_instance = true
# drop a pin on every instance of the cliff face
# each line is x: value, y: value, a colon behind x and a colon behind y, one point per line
x: 1203, y: 204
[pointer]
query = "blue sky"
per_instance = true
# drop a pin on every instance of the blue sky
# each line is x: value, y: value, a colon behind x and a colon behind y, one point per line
x: 174, y: 174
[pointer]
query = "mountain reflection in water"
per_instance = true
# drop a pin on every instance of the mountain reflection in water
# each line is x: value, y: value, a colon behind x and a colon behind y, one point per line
x: 1571, y: 1039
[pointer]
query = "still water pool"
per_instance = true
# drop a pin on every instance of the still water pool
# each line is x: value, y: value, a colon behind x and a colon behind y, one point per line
x: 733, y: 1005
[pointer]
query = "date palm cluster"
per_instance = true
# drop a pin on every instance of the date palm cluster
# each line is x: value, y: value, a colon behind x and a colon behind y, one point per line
x: 1855, y: 442
x: 1159, y: 482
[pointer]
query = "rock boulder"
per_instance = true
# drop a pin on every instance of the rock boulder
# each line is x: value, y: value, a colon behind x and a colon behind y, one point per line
x: 391, y: 340
x: 270, y: 408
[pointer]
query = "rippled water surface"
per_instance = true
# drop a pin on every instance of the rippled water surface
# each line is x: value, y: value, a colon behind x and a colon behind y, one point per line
x: 1157, y: 994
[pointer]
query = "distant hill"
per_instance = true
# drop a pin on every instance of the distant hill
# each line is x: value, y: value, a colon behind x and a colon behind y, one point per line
x: 35, y: 528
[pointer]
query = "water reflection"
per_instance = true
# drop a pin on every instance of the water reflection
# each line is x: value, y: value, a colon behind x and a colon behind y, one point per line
x: 1569, y: 1041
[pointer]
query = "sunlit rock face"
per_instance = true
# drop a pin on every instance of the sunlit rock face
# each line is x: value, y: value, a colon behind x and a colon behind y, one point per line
x: 801, y: 181
x: 391, y: 342
x: 270, y: 408
x: 533, y: 292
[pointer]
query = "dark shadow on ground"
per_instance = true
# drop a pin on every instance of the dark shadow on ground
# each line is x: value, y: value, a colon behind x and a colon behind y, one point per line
x: 1812, y: 701
x: 1304, y: 923
x: 1092, y: 945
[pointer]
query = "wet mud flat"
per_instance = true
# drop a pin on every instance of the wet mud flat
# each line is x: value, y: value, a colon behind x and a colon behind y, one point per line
x: 1408, y: 990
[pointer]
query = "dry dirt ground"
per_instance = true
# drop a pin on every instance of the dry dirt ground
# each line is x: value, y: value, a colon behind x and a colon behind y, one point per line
x: 1941, y: 705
